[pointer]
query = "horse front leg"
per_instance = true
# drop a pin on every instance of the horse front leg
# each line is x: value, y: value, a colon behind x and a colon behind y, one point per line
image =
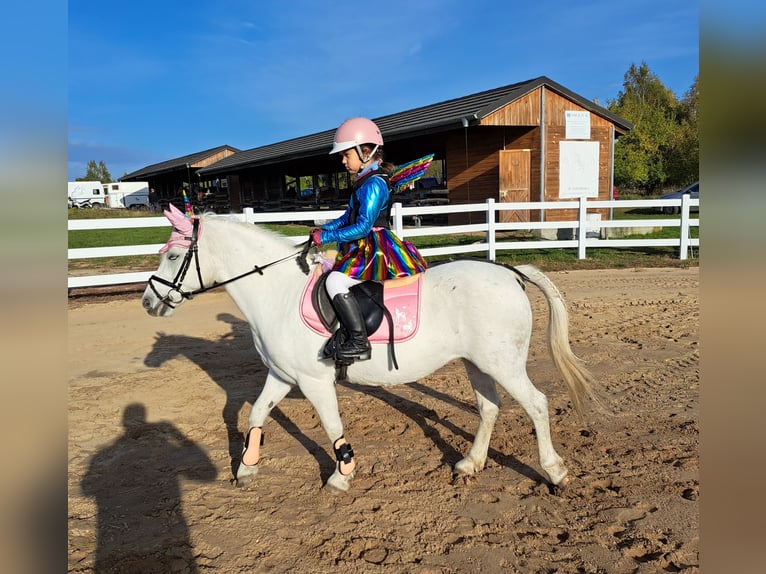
x: 274, y: 390
x: 321, y: 394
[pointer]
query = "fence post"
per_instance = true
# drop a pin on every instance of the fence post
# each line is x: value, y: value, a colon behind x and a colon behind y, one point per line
x: 396, y: 211
x: 491, y: 229
x: 248, y: 212
x: 684, y: 229
x: 582, y: 228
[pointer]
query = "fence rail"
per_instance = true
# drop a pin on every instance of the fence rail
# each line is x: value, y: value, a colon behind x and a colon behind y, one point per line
x: 586, y: 232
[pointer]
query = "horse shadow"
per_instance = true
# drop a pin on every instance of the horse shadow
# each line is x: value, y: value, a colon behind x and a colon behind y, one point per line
x: 242, y: 388
x: 135, y: 484
x: 429, y: 421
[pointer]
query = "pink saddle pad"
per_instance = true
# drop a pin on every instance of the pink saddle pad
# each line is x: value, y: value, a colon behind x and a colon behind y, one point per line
x: 401, y: 297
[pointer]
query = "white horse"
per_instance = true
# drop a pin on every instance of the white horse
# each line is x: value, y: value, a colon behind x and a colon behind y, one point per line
x: 473, y: 310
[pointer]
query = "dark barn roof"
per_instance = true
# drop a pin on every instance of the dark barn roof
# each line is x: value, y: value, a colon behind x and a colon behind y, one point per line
x: 429, y: 119
x: 177, y: 163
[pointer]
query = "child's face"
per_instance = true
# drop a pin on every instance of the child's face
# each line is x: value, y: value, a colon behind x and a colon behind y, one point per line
x: 351, y: 160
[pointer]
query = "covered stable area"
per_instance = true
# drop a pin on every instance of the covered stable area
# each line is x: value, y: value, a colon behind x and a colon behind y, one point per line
x: 172, y: 177
x: 531, y: 141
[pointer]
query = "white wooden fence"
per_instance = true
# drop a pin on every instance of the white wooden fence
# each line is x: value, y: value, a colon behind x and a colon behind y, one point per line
x: 585, y: 233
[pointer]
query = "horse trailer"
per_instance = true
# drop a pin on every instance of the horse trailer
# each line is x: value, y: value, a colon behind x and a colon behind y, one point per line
x: 85, y: 194
x: 127, y: 194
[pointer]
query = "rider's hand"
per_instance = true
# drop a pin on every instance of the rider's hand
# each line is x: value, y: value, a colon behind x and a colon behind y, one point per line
x: 316, y: 236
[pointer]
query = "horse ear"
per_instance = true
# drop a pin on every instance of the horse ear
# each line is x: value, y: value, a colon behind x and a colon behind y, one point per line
x: 174, y: 210
x: 178, y: 220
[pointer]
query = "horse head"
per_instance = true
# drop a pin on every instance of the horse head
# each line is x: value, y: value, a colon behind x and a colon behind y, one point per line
x: 171, y: 284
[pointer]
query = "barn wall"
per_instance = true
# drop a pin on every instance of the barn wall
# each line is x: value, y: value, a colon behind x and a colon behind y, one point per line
x: 523, y: 112
x: 555, y: 131
x: 480, y: 180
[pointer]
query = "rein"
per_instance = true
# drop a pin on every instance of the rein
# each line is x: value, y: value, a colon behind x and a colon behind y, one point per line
x: 177, y: 293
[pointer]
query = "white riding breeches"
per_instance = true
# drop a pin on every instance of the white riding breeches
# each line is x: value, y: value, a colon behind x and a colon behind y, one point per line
x: 338, y: 283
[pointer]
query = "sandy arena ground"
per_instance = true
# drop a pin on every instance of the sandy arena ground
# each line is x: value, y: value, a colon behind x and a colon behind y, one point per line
x: 157, y: 409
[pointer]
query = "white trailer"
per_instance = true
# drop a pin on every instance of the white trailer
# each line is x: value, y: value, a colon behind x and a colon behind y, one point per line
x: 85, y: 194
x: 127, y: 194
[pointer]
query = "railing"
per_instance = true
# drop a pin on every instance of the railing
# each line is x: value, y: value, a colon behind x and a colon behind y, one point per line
x: 585, y: 232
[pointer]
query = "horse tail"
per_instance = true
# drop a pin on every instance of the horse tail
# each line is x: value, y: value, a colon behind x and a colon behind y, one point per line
x: 579, y: 380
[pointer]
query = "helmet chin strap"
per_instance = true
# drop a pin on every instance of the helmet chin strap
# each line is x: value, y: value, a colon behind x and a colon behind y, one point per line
x: 361, y: 154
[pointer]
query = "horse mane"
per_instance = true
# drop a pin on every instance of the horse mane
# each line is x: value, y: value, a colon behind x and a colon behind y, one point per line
x: 248, y: 228
x: 251, y: 241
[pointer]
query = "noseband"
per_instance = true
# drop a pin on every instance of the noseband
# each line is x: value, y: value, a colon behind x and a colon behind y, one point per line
x: 176, y: 294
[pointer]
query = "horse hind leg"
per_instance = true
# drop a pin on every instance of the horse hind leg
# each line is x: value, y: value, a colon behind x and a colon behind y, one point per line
x: 488, y: 404
x: 535, y: 404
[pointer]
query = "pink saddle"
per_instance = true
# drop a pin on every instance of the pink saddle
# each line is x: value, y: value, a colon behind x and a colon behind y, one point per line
x: 400, y: 296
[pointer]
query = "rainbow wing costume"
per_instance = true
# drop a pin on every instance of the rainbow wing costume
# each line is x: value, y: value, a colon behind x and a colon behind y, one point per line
x: 408, y: 173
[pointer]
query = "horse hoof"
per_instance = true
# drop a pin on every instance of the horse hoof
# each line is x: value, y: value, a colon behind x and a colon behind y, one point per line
x: 562, y: 484
x: 242, y: 481
x: 465, y: 467
x: 338, y: 483
x: 245, y: 475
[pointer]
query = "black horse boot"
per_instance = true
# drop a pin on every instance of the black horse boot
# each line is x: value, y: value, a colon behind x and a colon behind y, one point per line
x: 355, y: 345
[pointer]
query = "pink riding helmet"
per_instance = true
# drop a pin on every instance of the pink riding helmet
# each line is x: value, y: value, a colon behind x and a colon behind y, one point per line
x: 355, y: 132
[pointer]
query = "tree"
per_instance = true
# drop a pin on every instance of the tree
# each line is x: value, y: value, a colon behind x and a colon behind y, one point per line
x: 660, y: 149
x: 96, y: 172
x: 683, y: 151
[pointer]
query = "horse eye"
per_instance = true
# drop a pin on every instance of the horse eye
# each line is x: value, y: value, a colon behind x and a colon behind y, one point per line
x: 173, y: 256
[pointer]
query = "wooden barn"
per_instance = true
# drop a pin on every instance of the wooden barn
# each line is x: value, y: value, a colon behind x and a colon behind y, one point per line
x: 170, y: 177
x: 531, y: 141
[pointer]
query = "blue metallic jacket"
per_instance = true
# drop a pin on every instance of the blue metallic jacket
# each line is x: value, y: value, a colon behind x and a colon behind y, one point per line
x: 368, y: 207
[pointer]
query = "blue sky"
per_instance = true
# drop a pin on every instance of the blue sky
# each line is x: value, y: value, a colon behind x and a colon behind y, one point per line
x: 151, y: 81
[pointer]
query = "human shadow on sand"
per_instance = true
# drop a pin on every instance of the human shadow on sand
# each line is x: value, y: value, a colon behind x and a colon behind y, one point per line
x: 243, y: 384
x: 141, y: 527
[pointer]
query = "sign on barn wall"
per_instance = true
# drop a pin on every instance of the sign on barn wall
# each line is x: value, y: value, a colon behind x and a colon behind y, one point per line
x: 578, y: 169
x: 577, y: 125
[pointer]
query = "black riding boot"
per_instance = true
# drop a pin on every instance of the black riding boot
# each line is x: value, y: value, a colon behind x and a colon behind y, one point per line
x: 355, y: 345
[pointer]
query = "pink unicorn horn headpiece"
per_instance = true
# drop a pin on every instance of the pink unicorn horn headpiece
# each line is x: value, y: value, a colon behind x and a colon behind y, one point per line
x: 182, y: 229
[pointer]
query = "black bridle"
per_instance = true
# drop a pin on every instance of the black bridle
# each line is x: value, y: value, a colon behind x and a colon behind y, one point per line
x: 177, y: 294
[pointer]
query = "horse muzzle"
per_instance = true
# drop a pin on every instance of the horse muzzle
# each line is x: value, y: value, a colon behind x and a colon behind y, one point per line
x: 159, y: 305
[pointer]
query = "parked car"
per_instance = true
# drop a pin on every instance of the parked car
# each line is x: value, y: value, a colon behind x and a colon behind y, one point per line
x: 692, y: 190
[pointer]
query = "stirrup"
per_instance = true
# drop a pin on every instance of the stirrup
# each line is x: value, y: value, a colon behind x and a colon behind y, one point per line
x: 363, y: 355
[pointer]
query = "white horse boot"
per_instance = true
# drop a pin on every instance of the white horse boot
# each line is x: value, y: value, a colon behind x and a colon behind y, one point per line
x: 355, y: 345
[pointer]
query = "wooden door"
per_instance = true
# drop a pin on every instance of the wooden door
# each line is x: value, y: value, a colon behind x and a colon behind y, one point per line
x: 515, y: 175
